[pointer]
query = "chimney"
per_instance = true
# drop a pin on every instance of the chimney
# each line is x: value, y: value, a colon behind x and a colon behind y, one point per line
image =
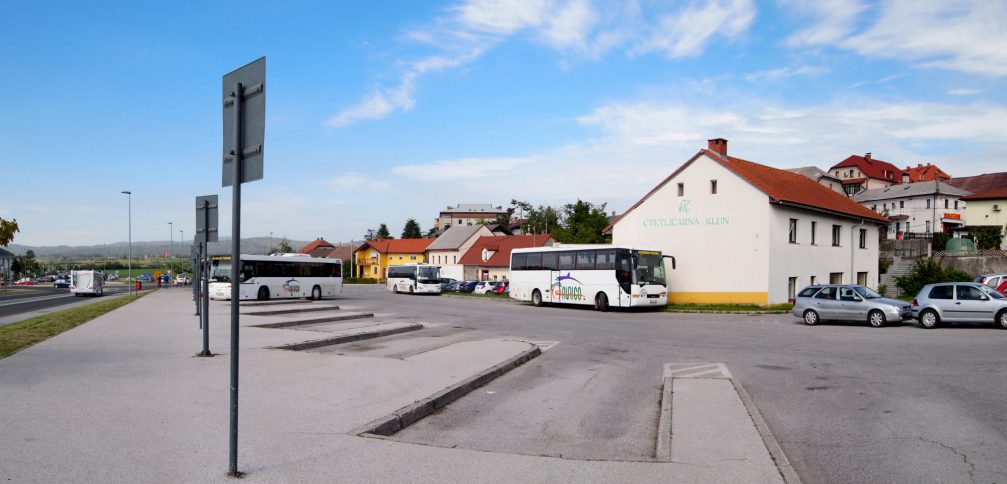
x: 920, y: 165
x: 718, y: 145
x: 868, y: 156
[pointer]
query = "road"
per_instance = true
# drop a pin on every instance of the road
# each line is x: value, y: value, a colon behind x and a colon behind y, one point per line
x: 22, y: 302
x: 848, y: 403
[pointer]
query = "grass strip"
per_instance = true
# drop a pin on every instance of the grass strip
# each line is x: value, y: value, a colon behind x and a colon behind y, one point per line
x: 728, y: 308
x: 18, y: 336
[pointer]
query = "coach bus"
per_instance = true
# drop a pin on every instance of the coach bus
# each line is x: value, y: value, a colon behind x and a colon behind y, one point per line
x: 600, y: 275
x: 279, y: 276
x: 414, y: 279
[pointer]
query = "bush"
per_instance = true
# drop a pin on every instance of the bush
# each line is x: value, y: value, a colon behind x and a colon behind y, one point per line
x: 928, y: 271
x: 987, y: 237
x: 940, y: 240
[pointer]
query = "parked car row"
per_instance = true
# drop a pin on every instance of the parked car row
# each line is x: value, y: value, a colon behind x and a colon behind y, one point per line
x: 477, y: 287
x: 966, y: 302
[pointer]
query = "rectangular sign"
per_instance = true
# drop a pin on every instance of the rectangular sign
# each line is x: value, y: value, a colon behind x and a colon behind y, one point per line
x: 206, y: 233
x: 252, y: 123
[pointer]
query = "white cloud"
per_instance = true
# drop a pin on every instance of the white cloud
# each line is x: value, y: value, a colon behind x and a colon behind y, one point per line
x: 964, y: 92
x: 834, y: 20
x: 687, y: 32
x: 460, y: 169
x: 774, y: 75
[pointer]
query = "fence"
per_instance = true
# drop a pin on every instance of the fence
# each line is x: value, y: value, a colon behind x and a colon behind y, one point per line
x: 970, y: 253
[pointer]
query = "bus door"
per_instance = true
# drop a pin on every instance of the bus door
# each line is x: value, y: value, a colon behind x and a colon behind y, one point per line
x: 624, y: 276
x: 550, y: 264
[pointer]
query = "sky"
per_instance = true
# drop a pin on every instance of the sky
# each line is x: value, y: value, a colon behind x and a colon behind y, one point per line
x: 381, y: 111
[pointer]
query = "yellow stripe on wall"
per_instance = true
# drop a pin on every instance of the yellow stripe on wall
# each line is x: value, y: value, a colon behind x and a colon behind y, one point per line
x: 718, y: 297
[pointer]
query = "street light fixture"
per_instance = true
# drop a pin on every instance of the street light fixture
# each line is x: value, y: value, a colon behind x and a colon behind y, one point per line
x: 129, y: 195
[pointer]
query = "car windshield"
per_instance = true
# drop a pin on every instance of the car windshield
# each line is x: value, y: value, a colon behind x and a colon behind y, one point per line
x: 991, y: 292
x: 649, y: 268
x: 866, y: 292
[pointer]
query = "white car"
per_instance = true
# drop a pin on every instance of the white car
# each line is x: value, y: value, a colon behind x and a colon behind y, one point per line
x: 484, y: 287
x: 182, y: 280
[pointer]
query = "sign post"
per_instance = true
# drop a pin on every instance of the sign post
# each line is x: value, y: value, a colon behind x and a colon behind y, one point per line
x: 195, y: 256
x: 244, y: 132
x: 206, y: 232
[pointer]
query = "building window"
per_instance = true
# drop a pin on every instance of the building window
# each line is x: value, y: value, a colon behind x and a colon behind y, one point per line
x: 928, y: 227
x: 956, y: 204
x: 863, y: 238
x: 375, y: 271
x: 812, y: 280
x: 946, y: 203
x: 902, y: 204
x: 681, y: 189
x: 814, y: 232
x: 713, y: 187
x: 836, y: 232
x: 793, y: 231
x: 835, y: 278
x: 885, y: 206
x: 862, y: 278
x: 874, y: 207
x: 928, y: 203
x: 412, y: 257
x: 791, y: 288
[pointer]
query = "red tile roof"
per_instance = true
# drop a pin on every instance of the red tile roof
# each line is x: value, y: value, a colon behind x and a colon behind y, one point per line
x: 502, y: 246
x: 926, y: 172
x: 317, y: 248
x: 398, y: 246
x: 782, y: 186
x: 980, y: 183
x: 994, y: 194
x: 872, y: 168
x: 343, y: 253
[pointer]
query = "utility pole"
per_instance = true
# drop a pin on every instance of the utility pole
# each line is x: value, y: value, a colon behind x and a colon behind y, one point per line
x: 129, y: 275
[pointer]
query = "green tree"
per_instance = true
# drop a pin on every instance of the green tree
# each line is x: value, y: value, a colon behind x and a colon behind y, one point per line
x: 283, y: 248
x: 7, y: 230
x: 583, y: 223
x: 371, y: 234
x: 412, y: 230
x: 538, y: 220
x: 987, y: 237
x: 383, y: 232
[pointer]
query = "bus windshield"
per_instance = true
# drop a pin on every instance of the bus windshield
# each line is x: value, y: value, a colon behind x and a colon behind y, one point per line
x: 649, y: 268
x: 429, y: 275
x: 221, y: 273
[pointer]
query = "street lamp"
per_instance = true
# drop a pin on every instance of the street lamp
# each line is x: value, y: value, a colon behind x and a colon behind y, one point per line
x: 171, y: 240
x: 129, y: 195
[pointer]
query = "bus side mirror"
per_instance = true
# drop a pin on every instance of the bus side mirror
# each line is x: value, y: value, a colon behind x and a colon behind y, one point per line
x: 672, y: 260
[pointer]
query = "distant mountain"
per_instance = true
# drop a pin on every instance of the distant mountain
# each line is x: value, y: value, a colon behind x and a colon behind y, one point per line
x: 254, y: 245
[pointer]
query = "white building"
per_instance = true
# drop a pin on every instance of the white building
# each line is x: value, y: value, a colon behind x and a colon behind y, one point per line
x: 919, y: 208
x: 451, y: 245
x: 747, y: 233
x: 468, y: 214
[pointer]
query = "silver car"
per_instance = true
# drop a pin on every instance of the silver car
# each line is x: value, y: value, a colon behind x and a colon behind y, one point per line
x: 848, y: 302
x: 965, y: 302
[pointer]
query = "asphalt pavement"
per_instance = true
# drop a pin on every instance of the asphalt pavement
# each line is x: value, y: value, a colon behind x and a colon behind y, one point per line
x: 18, y: 303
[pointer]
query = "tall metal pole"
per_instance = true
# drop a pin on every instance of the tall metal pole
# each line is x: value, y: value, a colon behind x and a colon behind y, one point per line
x: 204, y: 283
x: 129, y: 196
x: 235, y: 271
x: 171, y: 248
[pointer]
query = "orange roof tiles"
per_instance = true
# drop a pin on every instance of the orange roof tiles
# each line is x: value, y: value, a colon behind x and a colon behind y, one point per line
x: 872, y: 168
x: 994, y: 194
x: 315, y: 245
x: 926, y: 172
x: 399, y: 246
x: 502, y: 246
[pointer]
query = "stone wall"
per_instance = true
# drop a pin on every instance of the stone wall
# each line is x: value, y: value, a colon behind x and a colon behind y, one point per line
x: 977, y: 265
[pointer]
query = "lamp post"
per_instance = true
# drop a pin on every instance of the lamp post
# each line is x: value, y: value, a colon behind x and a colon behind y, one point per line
x: 171, y: 240
x: 181, y: 239
x: 129, y: 196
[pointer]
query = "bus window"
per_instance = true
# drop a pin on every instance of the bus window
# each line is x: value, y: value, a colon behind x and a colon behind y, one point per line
x: 585, y: 259
x: 549, y: 261
x: 605, y: 259
x: 566, y: 261
x: 247, y: 271
x: 533, y: 261
x: 517, y: 262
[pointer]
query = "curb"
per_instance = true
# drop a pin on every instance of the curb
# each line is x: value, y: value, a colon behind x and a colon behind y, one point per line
x: 783, y: 465
x: 292, y: 311
x: 301, y: 322
x: 348, y: 338
x: 410, y: 414
x: 249, y: 304
x: 663, y: 450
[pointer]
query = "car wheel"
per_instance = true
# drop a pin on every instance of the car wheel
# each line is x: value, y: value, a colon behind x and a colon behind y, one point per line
x: 601, y: 302
x: 316, y: 293
x: 536, y: 298
x: 929, y: 319
x: 810, y: 317
x: 1002, y: 318
x: 876, y: 318
x: 263, y: 293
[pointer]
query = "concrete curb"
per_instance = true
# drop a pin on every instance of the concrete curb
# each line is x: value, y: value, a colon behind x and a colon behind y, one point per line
x: 249, y: 304
x: 274, y: 312
x: 347, y: 338
x: 406, y: 416
x: 663, y: 450
x: 775, y: 450
x: 301, y: 322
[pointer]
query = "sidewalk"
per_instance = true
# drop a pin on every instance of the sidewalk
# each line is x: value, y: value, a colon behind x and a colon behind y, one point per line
x: 121, y: 398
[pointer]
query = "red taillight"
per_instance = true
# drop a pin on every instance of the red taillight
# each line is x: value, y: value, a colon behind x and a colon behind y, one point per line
x: 916, y: 303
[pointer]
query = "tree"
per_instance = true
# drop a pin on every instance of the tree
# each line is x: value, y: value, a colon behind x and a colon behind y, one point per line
x: 370, y: 235
x: 383, y: 232
x: 432, y: 232
x: 987, y: 237
x: 412, y: 230
x: 538, y: 220
x: 283, y: 248
x: 583, y: 223
x: 7, y: 230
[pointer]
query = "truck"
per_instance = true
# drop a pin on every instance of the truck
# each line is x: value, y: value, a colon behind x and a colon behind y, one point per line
x: 87, y: 283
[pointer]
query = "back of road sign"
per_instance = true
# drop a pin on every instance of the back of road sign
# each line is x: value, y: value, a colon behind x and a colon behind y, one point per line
x: 252, y: 79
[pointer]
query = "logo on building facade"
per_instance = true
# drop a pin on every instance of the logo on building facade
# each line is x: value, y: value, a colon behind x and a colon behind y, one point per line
x: 683, y: 206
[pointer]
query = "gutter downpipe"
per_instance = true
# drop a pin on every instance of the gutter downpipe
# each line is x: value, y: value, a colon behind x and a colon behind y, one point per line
x: 852, y: 270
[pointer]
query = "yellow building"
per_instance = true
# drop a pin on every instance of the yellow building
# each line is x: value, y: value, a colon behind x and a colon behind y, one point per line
x: 374, y: 256
x: 988, y: 209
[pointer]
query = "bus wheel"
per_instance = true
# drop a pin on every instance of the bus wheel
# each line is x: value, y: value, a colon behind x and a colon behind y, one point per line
x: 536, y: 298
x: 410, y: 289
x: 263, y: 293
x: 395, y: 288
x: 601, y: 302
x: 316, y: 293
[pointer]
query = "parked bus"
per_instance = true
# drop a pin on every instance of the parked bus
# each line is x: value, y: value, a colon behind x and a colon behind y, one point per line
x: 414, y: 279
x: 281, y: 276
x: 600, y: 275
x: 87, y: 283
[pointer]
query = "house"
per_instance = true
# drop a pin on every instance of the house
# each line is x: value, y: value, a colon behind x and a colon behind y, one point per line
x: 988, y: 209
x: 373, y: 257
x: 917, y: 208
x: 819, y: 175
x: 452, y: 244
x: 859, y: 173
x: 317, y: 248
x: 923, y: 173
x: 981, y: 183
x: 489, y: 258
x: 6, y: 260
x: 467, y: 214
x: 343, y: 252
x: 743, y: 232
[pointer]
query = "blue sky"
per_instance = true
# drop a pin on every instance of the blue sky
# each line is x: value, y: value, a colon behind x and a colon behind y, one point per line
x: 381, y: 111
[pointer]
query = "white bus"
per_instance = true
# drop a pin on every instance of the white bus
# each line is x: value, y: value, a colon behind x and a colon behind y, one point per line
x: 87, y: 283
x: 278, y: 276
x: 414, y: 279
x: 600, y: 275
